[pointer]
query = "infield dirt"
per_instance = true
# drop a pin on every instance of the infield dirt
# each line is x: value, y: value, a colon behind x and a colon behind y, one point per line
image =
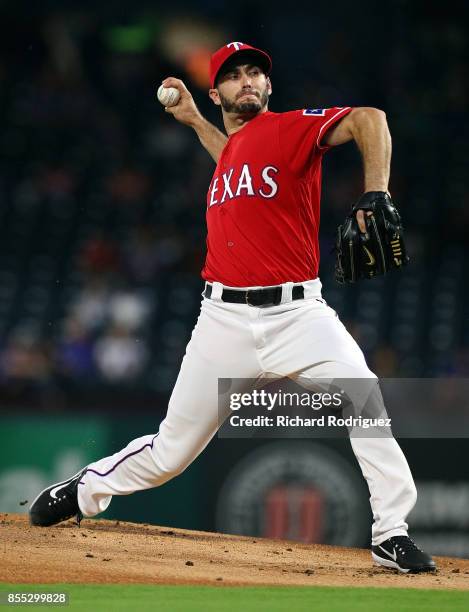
x: 116, y: 552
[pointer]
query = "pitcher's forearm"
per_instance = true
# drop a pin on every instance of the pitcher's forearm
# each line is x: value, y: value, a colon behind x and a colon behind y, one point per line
x: 371, y: 133
x: 210, y: 136
x: 187, y: 113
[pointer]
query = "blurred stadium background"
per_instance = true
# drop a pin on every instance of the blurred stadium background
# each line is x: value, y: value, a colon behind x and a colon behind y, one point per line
x: 102, y: 237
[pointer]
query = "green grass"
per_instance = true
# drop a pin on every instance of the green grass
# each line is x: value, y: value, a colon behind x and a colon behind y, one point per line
x: 94, y: 598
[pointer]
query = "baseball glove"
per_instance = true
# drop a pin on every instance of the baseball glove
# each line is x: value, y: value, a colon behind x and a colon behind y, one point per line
x: 380, y: 249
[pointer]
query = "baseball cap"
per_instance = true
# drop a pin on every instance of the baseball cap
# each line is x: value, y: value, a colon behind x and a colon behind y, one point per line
x: 224, y: 53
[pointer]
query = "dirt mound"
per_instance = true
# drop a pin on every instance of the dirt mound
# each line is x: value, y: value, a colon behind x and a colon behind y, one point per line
x: 116, y: 552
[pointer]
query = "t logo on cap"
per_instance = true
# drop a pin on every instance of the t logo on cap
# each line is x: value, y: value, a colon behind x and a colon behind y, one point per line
x: 236, y: 45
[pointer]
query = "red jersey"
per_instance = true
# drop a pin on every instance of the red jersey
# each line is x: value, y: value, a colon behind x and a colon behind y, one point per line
x: 263, y: 200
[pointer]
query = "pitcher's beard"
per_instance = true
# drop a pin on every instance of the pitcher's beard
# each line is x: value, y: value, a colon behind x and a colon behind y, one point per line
x: 244, y: 108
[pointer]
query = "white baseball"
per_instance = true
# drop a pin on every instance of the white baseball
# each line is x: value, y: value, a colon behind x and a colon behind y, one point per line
x: 168, y: 96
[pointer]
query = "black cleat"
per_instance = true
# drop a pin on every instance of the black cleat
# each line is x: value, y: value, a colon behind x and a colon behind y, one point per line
x: 402, y: 554
x: 57, y: 503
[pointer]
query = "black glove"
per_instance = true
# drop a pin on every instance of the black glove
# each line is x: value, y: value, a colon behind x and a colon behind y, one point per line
x: 367, y: 255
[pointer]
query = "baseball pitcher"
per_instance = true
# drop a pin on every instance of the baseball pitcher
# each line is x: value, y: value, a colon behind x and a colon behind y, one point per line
x: 262, y: 313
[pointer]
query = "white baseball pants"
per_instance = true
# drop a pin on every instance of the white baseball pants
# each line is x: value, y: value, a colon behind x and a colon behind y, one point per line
x: 301, y: 338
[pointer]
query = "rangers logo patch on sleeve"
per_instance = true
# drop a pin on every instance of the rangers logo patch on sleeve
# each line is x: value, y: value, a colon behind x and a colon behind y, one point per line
x: 315, y: 111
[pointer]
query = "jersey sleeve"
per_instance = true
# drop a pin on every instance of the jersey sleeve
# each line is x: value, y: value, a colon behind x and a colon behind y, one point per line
x: 301, y: 131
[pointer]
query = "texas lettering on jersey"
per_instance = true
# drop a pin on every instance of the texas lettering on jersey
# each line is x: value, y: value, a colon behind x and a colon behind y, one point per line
x: 263, y: 200
x: 242, y: 184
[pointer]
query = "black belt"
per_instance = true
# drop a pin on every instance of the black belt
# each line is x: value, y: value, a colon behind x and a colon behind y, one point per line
x: 270, y: 296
